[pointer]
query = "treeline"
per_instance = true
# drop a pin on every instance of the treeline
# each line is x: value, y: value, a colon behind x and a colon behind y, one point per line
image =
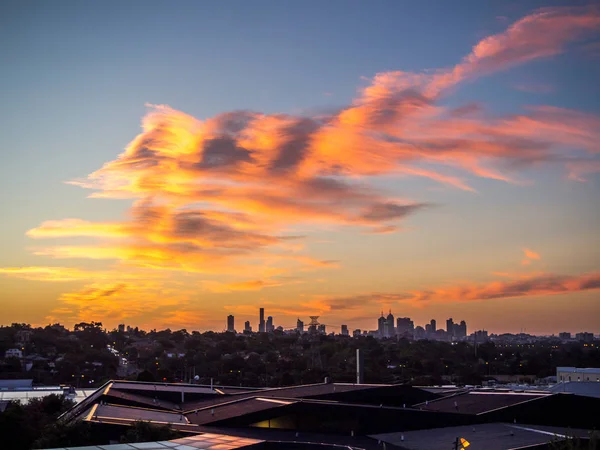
x: 278, y: 359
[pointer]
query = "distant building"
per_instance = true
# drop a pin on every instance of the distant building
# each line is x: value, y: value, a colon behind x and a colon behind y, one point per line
x: 381, y: 325
x: 230, y: 323
x: 356, y: 333
x: 433, y: 325
x: 299, y: 326
x: 13, y: 353
x: 566, y: 374
x: 450, y: 327
x: 462, y: 329
x: 121, y: 328
x: 564, y: 335
x: 247, y: 326
x: 345, y: 330
x: 405, y: 326
x: 419, y: 332
x: 261, y: 320
x: 270, y: 327
x: 585, y: 337
x: 391, y: 330
x: 480, y: 336
x: 23, y: 336
x: 321, y: 329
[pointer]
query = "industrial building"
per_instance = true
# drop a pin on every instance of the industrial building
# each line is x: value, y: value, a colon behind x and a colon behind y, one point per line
x: 360, y: 416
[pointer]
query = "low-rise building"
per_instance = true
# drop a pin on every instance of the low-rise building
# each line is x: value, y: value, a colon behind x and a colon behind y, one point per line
x: 566, y: 374
x: 13, y: 353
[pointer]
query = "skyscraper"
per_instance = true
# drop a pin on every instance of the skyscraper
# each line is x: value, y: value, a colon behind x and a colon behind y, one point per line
x: 247, y: 326
x: 299, y: 326
x: 433, y: 325
x: 230, y: 323
x: 261, y: 320
x: 381, y: 325
x: 345, y: 330
x: 450, y: 327
x: 269, y: 328
x: 391, y: 330
x: 462, y: 329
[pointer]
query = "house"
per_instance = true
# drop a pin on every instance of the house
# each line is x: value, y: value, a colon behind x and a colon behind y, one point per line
x: 13, y: 353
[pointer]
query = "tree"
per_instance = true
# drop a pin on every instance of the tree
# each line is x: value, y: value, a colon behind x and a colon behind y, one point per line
x: 145, y: 431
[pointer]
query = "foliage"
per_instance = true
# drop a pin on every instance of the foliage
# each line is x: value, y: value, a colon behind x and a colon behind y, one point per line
x: 21, y: 425
x: 145, y: 432
x: 575, y: 443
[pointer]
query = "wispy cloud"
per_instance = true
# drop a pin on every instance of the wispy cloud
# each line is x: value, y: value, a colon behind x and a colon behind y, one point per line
x: 535, y: 285
x: 530, y: 256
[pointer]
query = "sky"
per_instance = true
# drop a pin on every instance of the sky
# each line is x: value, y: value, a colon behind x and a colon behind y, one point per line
x: 167, y: 164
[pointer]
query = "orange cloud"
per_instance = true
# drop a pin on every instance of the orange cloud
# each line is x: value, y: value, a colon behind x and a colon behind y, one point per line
x: 56, y: 274
x: 530, y: 255
x: 545, y: 284
x: 227, y: 195
x: 521, y: 286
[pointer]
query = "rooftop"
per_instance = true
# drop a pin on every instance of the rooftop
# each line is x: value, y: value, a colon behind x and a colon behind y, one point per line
x: 208, y: 441
x: 590, y: 370
x: 491, y: 436
x: 477, y: 402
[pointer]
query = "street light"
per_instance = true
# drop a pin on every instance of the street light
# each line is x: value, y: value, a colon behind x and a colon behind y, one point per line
x: 461, y: 444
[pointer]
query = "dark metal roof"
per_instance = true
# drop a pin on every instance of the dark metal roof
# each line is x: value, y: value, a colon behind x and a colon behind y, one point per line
x: 477, y: 402
x: 100, y: 412
x: 491, y: 436
x: 235, y: 408
x: 162, y: 387
x: 303, y: 391
x: 139, y: 398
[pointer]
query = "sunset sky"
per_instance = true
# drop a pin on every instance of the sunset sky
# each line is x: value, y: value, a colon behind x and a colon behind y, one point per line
x: 165, y: 164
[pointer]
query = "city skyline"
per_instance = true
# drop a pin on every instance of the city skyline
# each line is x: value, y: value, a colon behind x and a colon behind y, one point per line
x: 439, y: 161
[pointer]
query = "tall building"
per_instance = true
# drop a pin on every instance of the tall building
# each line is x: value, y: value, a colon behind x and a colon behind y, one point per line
x: 564, y: 335
x: 247, y: 326
x: 391, y: 330
x: 381, y: 322
x: 405, y: 326
x: 462, y: 329
x: 433, y: 325
x: 230, y: 323
x: 269, y: 327
x: 345, y: 330
x: 321, y: 329
x: 261, y: 320
x: 450, y: 327
x: 299, y: 326
x: 121, y: 328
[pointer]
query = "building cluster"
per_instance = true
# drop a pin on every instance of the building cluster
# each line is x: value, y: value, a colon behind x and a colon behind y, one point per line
x: 387, y: 327
x: 403, y: 327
